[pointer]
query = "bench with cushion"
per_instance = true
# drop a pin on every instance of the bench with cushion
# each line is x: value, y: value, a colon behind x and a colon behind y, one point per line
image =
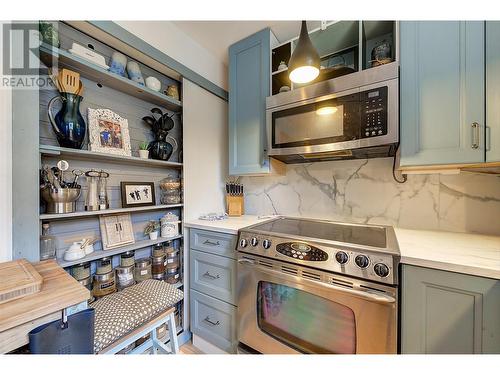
x: 123, y: 317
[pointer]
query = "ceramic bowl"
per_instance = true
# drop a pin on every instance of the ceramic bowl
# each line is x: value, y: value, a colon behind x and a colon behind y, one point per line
x: 75, y: 252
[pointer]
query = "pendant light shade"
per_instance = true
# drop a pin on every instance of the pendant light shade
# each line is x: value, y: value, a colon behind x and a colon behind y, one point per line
x: 304, y: 63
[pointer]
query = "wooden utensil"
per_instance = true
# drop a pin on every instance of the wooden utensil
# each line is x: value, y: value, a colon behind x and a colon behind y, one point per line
x: 69, y: 81
x: 79, y: 92
x: 19, y: 279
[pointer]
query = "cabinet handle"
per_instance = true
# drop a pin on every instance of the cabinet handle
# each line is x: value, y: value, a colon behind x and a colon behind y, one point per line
x: 475, y: 135
x: 207, y: 319
x: 207, y: 274
x: 208, y: 242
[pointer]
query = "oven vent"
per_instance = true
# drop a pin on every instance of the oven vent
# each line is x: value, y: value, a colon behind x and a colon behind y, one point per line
x: 343, y: 283
x: 290, y: 270
x: 311, y: 275
x: 265, y: 264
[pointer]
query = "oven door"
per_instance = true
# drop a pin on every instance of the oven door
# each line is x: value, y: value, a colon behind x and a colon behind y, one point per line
x: 282, y: 313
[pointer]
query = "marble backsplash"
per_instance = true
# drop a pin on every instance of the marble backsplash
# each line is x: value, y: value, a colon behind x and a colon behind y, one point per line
x: 364, y: 191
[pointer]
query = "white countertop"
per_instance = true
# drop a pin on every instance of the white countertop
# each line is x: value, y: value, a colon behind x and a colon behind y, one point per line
x: 231, y: 225
x: 472, y: 254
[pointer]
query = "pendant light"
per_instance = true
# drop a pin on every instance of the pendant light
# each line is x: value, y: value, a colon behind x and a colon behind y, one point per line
x: 304, y: 63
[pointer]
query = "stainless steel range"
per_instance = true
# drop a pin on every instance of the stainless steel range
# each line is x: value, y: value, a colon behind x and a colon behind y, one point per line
x: 316, y: 286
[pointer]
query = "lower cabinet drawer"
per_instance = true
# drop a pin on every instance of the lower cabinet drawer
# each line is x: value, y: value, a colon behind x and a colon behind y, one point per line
x: 213, y: 242
x: 213, y: 320
x: 213, y: 275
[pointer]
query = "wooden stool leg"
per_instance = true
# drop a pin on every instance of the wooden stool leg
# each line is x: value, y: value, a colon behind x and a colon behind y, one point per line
x: 172, y: 332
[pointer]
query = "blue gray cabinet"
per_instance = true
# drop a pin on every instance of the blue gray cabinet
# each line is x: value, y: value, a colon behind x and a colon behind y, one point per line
x: 212, y: 271
x: 492, y: 91
x: 447, y: 312
x: 442, y: 92
x: 249, y: 85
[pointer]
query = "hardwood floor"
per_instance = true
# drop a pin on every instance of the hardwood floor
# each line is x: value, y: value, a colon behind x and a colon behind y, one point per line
x: 189, y: 348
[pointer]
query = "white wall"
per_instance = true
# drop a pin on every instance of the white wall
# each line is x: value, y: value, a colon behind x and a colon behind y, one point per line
x: 172, y: 41
x: 5, y: 167
x: 205, y: 151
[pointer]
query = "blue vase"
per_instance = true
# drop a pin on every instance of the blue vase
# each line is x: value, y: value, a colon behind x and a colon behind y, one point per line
x: 68, y: 123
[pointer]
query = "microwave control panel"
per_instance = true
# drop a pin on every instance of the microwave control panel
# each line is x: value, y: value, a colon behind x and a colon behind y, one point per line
x: 373, y: 105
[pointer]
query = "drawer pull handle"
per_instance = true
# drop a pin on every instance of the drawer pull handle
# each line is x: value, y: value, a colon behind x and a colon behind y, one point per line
x: 475, y: 135
x: 208, y: 242
x: 207, y: 319
x: 207, y: 274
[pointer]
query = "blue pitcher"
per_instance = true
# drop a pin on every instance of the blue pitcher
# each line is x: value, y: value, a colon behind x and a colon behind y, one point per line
x: 68, y: 123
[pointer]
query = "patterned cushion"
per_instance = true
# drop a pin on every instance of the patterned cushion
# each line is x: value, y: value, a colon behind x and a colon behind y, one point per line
x: 120, y: 313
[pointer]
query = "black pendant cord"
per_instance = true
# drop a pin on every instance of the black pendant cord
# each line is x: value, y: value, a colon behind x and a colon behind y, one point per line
x: 404, y: 176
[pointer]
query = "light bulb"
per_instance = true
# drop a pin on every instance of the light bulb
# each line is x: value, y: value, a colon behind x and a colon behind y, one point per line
x: 304, y: 74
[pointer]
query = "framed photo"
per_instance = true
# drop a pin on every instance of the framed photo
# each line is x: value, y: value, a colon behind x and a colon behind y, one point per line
x: 108, y: 132
x: 137, y: 194
x: 116, y: 230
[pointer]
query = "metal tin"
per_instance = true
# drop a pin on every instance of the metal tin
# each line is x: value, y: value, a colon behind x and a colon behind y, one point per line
x: 104, y: 284
x: 104, y: 266
x: 127, y: 259
x: 81, y: 271
x: 143, y: 269
x: 124, y: 277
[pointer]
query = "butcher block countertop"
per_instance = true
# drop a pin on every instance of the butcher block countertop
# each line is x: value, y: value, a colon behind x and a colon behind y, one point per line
x: 59, y: 291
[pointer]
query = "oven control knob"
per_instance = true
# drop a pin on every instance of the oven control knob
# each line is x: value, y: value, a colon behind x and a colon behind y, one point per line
x: 362, y: 261
x: 341, y: 257
x: 266, y: 244
x: 243, y: 242
x: 254, y: 241
x: 381, y: 270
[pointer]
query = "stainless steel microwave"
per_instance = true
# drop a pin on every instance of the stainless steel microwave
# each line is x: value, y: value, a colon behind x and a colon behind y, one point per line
x: 349, y: 117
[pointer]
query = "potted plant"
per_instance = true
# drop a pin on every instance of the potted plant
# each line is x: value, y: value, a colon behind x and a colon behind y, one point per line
x: 151, y: 229
x: 144, y: 150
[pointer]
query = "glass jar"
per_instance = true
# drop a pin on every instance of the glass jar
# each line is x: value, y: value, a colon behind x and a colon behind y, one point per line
x: 142, y: 269
x: 173, y: 275
x: 173, y: 260
x: 103, y: 284
x: 124, y: 277
x: 158, y: 250
x: 170, y: 196
x: 81, y: 271
x: 170, y: 182
x: 158, y: 267
x: 104, y: 266
x: 127, y: 259
x: 47, y: 243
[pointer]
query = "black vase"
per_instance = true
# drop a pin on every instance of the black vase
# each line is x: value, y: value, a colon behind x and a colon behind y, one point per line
x: 68, y: 123
x: 160, y: 150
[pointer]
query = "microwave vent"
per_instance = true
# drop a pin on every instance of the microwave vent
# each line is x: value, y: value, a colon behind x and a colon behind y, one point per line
x: 290, y: 270
x: 311, y: 275
x: 265, y: 264
x: 343, y: 283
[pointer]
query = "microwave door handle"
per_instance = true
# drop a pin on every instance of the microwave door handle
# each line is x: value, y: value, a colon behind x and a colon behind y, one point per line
x: 372, y: 296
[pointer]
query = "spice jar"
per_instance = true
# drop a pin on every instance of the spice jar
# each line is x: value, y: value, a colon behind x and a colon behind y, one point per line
x: 158, y: 267
x: 104, y: 266
x: 170, y: 182
x: 142, y: 269
x: 127, y: 259
x: 170, y: 196
x: 104, y: 284
x: 81, y: 271
x: 158, y: 250
x: 168, y: 247
x: 173, y: 260
x: 124, y: 277
x: 173, y: 275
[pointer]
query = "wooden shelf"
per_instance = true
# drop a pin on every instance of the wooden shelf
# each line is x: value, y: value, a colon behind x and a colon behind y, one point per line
x: 64, y: 59
x: 100, y: 156
x: 98, y: 254
x: 79, y: 214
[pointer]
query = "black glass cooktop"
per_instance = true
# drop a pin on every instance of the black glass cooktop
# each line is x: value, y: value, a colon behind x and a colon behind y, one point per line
x: 320, y: 230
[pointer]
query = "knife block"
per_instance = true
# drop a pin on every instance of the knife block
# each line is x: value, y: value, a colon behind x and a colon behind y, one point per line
x: 235, y: 205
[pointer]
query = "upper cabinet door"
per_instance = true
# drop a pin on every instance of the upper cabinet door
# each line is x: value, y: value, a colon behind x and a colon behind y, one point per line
x: 442, y: 92
x: 249, y: 85
x: 492, y: 91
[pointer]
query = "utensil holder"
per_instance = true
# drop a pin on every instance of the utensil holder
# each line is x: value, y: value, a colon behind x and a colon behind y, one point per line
x: 235, y: 205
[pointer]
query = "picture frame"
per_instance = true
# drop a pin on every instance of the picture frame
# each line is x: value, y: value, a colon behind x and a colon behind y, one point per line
x: 116, y: 230
x: 137, y: 194
x: 108, y: 132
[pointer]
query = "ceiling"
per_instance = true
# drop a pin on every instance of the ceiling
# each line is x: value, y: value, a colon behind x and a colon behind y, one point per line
x: 217, y: 36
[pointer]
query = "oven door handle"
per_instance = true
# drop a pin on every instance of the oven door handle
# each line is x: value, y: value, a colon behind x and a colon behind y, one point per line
x: 372, y: 296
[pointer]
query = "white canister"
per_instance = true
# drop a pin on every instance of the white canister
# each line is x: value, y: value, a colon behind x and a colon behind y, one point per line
x: 169, y: 225
x: 118, y: 63
x: 134, y: 72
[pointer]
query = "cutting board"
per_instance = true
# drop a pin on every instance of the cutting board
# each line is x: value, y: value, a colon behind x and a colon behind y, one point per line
x: 18, y: 279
